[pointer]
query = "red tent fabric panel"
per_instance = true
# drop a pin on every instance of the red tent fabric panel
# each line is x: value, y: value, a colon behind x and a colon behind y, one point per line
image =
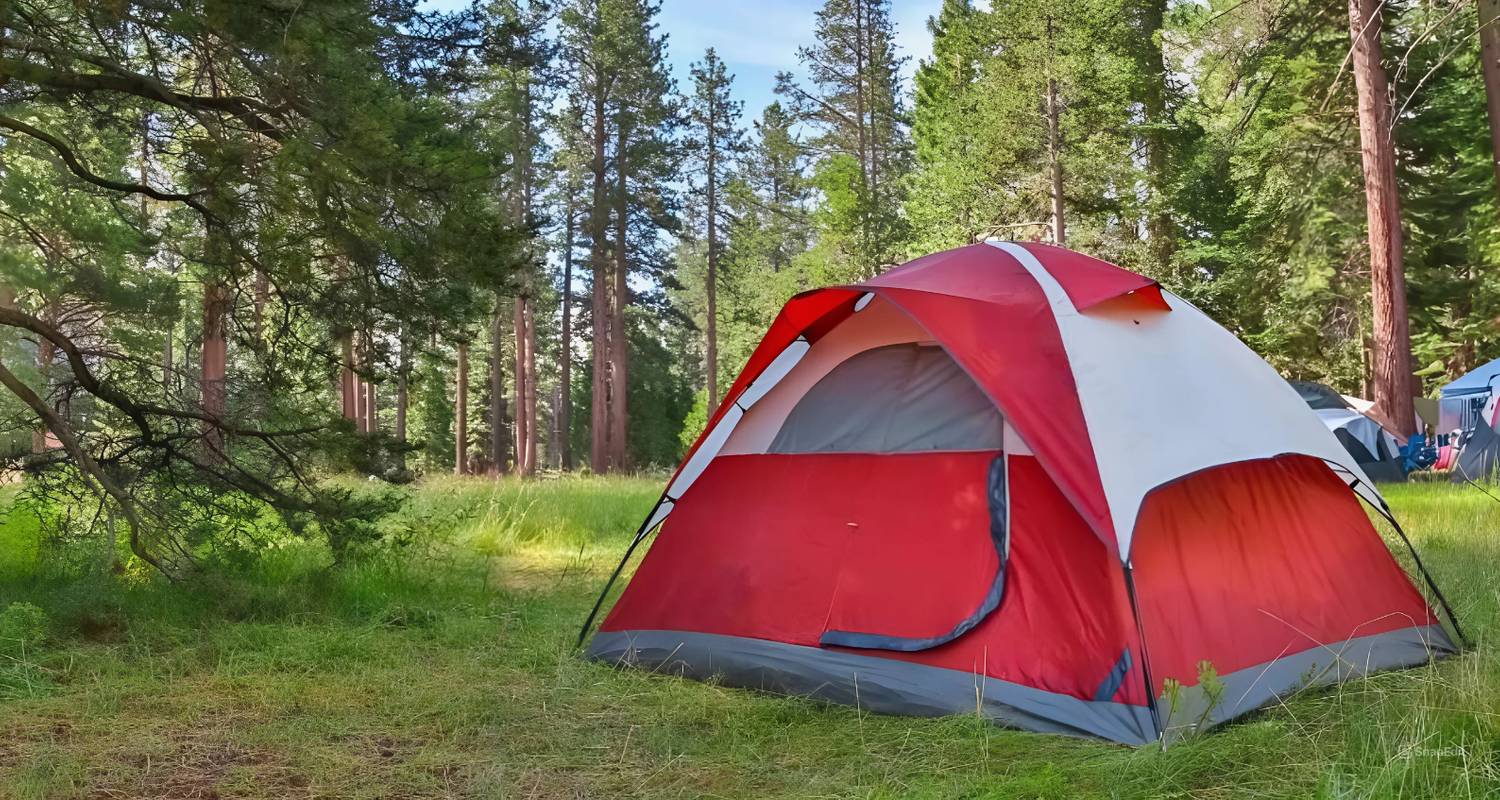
x: 1248, y: 562
x: 783, y: 547
x: 1014, y: 352
x: 920, y: 557
x: 975, y: 272
x: 1065, y: 618
x: 1088, y: 281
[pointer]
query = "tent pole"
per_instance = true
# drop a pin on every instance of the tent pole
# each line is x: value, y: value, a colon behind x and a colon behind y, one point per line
x: 1463, y: 641
x: 640, y: 534
x: 1385, y: 511
x: 1140, y: 632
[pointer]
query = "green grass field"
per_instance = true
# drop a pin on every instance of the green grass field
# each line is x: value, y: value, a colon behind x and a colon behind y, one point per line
x: 445, y: 669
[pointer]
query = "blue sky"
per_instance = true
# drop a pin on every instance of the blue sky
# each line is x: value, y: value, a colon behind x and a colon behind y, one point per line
x: 758, y: 38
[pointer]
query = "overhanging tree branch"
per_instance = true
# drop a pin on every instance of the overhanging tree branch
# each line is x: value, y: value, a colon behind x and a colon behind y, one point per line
x: 77, y: 168
x: 97, y: 478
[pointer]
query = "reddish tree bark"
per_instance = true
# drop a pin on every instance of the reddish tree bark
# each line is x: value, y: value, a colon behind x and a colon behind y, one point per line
x: 563, y: 420
x: 461, y: 413
x: 1489, y: 67
x: 361, y: 386
x: 525, y: 394
x: 403, y: 368
x: 1392, y: 378
x: 518, y: 324
x: 499, y: 447
x: 214, y: 359
x: 347, y: 380
x: 619, y: 372
x: 712, y: 287
x: 599, y: 305
x: 526, y: 411
x: 372, y: 408
x: 46, y: 352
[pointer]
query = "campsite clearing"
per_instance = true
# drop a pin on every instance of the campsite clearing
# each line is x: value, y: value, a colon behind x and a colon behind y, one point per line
x: 445, y: 668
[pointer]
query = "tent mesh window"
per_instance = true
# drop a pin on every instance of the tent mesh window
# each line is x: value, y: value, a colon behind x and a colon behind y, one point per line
x: 895, y: 399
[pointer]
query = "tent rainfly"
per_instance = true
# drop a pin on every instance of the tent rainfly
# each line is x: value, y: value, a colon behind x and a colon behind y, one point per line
x: 1000, y: 478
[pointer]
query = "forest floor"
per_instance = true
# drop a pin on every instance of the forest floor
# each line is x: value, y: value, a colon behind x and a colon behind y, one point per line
x: 446, y: 668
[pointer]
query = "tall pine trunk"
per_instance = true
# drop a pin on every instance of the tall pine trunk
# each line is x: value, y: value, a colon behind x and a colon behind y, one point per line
x: 461, y: 412
x: 348, y: 387
x: 403, y: 370
x: 868, y: 72
x: 863, y: 134
x: 526, y: 347
x: 564, y: 416
x: 1392, y: 379
x: 619, y: 351
x: 713, y: 264
x: 1159, y: 228
x: 372, y: 407
x: 213, y: 362
x: 499, y: 448
x: 361, y: 389
x: 1054, y: 157
x: 599, y: 305
x: 1489, y: 67
x: 522, y: 428
x: 46, y: 352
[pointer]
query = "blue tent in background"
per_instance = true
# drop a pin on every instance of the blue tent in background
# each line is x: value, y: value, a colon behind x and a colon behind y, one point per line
x: 1463, y: 400
x: 1478, y: 381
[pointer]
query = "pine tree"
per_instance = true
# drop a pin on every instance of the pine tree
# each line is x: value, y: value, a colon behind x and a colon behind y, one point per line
x: 853, y: 99
x: 774, y: 173
x: 1155, y: 93
x: 1392, y: 373
x: 716, y: 139
x: 620, y: 82
x: 950, y: 183
x: 1023, y: 127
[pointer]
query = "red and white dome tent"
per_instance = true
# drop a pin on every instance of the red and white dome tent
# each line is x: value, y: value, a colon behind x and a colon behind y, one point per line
x: 999, y: 478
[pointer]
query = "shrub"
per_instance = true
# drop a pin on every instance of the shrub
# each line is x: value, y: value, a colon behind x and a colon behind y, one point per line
x: 23, y: 627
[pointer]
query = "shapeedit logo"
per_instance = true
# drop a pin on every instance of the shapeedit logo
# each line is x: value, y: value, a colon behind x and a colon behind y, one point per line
x: 1411, y: 752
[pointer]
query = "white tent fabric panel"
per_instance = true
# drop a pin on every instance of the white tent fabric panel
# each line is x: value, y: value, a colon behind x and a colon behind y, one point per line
x: 661, y: 512
x: 712, y: 444
x: 877, y: 325
x: 774, y: 372
x: 1014, y: 444
x: 1144, y: 375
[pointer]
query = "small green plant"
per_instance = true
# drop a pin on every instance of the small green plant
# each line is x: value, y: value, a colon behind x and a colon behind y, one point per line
x: 1209, y: 692
x: 1213, y: 690
x: 23, y: 628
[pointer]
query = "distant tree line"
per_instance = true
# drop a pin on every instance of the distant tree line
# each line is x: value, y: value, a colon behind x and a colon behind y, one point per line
x: 246, y: 246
